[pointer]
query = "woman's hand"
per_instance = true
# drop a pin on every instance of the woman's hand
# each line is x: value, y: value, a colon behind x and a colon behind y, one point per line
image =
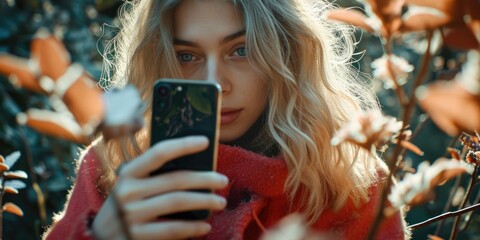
x: 143, y: 198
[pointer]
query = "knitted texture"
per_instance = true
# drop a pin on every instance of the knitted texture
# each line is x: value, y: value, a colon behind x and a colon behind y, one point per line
x: 256, y: 189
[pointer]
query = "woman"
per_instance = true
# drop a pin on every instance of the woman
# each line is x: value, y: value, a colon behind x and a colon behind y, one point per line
x: 286, y: 87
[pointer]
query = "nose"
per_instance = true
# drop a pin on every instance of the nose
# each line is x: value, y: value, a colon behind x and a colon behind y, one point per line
x: 217, y: 72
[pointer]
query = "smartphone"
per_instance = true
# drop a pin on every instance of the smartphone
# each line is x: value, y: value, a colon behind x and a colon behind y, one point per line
x: 184, y: 108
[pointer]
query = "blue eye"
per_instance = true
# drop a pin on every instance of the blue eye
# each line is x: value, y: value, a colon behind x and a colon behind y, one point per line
x: 241, y: 51
x: 185, y: 57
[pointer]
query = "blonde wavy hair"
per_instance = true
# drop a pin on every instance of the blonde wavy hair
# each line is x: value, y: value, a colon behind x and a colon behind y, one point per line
x: 312, y: 91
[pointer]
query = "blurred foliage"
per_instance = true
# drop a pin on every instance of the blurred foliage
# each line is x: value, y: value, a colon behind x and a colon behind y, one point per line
x: 83, y: 26
x: 431, y: 140
x: 446, y: 63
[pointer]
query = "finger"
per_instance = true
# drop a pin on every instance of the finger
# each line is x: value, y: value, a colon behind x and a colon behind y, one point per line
x: 163, y: 152
x: 170, y: 230
x: 133, y: 189
x: 161, y: 205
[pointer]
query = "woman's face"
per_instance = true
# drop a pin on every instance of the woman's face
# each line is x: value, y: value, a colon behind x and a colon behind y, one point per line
x: 209, y: 38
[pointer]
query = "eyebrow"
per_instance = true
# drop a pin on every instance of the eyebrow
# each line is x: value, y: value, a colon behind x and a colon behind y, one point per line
x: 226, y: 39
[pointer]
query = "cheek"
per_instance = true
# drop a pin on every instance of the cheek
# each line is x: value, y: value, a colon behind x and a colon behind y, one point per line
x: 257, y: 97
x: 256, y: 88
x: 251, y: 93
x: 255, y: 93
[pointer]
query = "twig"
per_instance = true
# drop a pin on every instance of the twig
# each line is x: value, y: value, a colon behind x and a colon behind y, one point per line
x: 392, y: 163
x: 385, y: 189
x: 420, y: 78
x: 452, y: 191
x: 33, y: 177
x: 401, y: 95
x: 417, y: 130
x: 445, y: 215
x: 2, y: 192
x: 477, y: 199
x: 420, y: 127
x: 464, y: 202
x: 448, y: 203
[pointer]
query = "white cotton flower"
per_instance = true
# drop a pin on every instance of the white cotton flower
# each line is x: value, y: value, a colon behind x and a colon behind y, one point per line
x: 374, y: 22
x: 367, y: 130
x: 469, y: 77
x: 290, y: 227
x: 418, y: 187
x: 399, y: 66
x: 418, y: 41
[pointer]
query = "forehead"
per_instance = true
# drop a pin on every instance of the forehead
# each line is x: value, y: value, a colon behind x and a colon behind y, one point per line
x: 206, y: 17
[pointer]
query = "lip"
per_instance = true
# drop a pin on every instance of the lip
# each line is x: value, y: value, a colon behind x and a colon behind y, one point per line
x: 229, y: 115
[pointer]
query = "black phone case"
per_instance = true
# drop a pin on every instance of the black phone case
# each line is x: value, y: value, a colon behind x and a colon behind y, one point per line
x: 184, y: 108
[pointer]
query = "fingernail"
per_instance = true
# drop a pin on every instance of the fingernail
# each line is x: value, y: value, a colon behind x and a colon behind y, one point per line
x: 221, y: 200
x: 205, y: 227
x: 222, y: 178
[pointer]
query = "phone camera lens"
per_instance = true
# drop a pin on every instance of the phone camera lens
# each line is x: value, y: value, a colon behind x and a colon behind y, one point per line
x: 163, y: 94
x: 163, y: 91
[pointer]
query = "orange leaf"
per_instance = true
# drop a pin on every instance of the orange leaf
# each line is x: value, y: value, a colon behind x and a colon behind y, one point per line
x: 423, y: 21
x: 457, y: 15
x: 390, y: 14
x: 412, y: 147
x: 11, y: 190
x: 451, y: 106
x: 445, y: 175
x: 460, y: 37
x: 53, y: 123
x: 84, y: 99
x: 418, y: 188
x: 422, y: 197
x: 18, y: 69
x: 443, y: 5
x: 19, y: 174
x: 473, y: 157
x: 386, y: 9
x: 455, y: 153
x: 472, y: 17
x: 353, y: 17
x: 79, y: 92
x: 434, y: 237
x: 451, y: 8
x: 3, y: 167
x: 51, y: 54
x: 12, y: 208
x: 2, y: 160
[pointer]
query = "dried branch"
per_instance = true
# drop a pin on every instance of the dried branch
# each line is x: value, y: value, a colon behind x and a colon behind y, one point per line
x: 452, y: 192
x: 464, y: 202
x: 42, y: 208
x: 407, y: 111
x: 445, y: 215
x: 398, y: 89
x: 477, y: 200
x: 448, y: 203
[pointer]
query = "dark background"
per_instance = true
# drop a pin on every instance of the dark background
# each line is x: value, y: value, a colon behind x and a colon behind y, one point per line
x: 84, y: 27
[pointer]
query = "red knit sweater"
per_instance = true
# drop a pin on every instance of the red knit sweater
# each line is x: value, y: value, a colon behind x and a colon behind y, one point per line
x: 255, y: 190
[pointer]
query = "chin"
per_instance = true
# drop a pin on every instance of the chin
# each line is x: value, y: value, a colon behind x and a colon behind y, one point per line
x: 226, y: 139
x: 228, y: 136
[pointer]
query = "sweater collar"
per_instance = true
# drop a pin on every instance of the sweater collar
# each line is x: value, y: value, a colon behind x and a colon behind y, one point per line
x: 253, y: 172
